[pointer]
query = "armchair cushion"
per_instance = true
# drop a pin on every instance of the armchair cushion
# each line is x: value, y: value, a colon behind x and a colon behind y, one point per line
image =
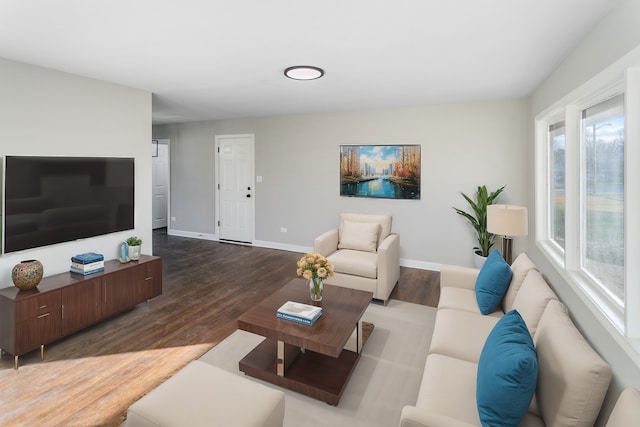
x: 356, y: 263
x: 359, y: 236
x: 384, y: 220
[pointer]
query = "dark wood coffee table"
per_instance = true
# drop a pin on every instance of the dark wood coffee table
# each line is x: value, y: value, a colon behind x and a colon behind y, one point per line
x: 307, y: 359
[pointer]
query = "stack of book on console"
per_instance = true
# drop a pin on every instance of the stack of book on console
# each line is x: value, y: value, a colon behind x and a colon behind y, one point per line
x: 298, y: 312
x: 88, y: 263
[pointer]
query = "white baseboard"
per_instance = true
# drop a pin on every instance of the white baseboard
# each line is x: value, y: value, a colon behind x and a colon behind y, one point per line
x: 194, y: 235
x: 421, y: 265
x: 282, y: 246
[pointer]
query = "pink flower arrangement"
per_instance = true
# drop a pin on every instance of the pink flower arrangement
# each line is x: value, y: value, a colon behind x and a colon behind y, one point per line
x: 314, y: 266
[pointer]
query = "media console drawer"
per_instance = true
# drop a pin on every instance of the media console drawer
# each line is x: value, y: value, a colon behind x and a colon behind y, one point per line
x: 67, y: 302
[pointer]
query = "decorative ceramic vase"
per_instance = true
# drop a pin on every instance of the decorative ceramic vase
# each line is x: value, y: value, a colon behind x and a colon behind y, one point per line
x: 134, y: 252
x: 27, y: 274
x: 315, y: 288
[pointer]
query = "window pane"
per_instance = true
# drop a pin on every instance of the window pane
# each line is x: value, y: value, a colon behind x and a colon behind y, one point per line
x: 557, y: 182
x: 603, y: 194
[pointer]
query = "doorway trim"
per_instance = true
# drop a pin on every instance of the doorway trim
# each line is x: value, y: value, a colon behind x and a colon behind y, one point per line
x: 166, y: 142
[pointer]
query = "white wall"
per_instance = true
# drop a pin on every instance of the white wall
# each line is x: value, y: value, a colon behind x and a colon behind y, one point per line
x: 612, y: 39
x: 48, y: 113
x: 463, y: 146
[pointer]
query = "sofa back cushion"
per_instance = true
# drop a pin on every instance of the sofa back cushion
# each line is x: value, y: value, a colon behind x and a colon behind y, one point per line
x: 572, y: 378
x: 520, y: 267
x: 626, y: 412
x: 383, y: 219
x: 507, y: 373
x: 492, y: 282
x: 532, y: 299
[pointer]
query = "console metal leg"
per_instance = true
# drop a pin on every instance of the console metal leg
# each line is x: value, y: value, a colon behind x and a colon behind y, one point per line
x: 42, y: 352
x: 15, y: 363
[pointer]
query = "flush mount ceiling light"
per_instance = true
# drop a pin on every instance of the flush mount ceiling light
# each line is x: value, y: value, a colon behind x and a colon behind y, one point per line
x: 304, y: 72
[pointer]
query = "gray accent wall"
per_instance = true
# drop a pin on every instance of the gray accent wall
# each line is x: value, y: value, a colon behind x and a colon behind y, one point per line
x: 462, y: 146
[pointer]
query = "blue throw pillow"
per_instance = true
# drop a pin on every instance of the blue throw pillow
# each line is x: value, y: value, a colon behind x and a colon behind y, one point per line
x: 507, y: 373
x: 492, y: 282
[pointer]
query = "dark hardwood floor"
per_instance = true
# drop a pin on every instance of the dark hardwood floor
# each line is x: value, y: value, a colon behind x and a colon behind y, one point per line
x: 206, y: 286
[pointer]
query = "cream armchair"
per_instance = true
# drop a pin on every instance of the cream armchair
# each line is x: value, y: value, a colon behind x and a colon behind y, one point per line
x: 364, y: 252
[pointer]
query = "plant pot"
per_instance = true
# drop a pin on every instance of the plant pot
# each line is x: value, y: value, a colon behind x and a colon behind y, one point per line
x: 478, y: 259
x: 134, y: 252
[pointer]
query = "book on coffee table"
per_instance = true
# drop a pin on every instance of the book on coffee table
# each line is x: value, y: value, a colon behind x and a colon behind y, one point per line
x: 298, y: 312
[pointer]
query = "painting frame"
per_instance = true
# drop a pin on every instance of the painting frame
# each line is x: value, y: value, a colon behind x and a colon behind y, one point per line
x: 381, y: 171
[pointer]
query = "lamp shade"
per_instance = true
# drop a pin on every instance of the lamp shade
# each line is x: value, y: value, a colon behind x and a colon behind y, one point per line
x: 507, y: 220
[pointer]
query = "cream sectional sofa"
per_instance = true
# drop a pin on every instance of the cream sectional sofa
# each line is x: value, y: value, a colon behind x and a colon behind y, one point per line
x: 572, y: 379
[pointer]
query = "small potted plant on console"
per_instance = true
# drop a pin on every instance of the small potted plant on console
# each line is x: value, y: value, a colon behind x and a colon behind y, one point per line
x: 134, y: 245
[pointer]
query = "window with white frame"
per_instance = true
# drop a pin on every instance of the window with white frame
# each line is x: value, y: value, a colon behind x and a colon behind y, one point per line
x: 582, y: 199
x: 602, y: 195
x: 557, y: 182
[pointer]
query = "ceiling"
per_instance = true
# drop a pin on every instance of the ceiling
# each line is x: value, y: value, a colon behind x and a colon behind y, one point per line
x: 220, y: 59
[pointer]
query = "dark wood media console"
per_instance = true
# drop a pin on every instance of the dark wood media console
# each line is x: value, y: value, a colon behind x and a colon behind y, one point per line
x: 67, y: 302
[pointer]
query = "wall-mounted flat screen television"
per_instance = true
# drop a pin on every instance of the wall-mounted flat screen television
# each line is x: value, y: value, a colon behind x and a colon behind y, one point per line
x: 51, y: 200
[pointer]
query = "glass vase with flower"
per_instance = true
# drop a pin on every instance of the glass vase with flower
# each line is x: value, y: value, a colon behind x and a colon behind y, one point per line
x: 316, y: 269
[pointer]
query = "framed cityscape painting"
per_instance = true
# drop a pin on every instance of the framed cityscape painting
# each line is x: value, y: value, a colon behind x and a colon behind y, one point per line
x: 380, y: 171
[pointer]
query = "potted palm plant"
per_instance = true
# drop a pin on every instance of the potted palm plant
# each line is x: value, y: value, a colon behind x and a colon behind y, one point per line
x: 478, y: 219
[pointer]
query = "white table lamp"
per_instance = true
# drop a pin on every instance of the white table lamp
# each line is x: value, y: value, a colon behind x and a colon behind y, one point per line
x: 507, y: 221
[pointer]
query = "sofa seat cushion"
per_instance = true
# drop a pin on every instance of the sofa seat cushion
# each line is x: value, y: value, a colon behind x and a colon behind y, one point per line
x: 531, y: 420
x: 572, y: 378
x: 449, y: 388
x: 461, y: 334
x: 507, y: 373
x: 492, y: 282
x: 357, y: 263
x: 461, y: 299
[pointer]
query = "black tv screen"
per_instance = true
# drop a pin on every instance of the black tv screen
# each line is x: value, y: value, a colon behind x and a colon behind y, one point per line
x: 59, y: 199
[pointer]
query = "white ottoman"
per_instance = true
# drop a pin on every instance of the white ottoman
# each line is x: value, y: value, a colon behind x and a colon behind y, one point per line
x: 202, y: 395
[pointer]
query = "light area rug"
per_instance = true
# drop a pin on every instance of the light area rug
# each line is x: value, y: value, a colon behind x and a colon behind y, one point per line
x: 386, y: 378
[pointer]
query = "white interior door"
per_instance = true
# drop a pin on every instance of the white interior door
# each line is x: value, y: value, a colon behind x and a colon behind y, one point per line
x: 160, y: 182
x: 235, y: 187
